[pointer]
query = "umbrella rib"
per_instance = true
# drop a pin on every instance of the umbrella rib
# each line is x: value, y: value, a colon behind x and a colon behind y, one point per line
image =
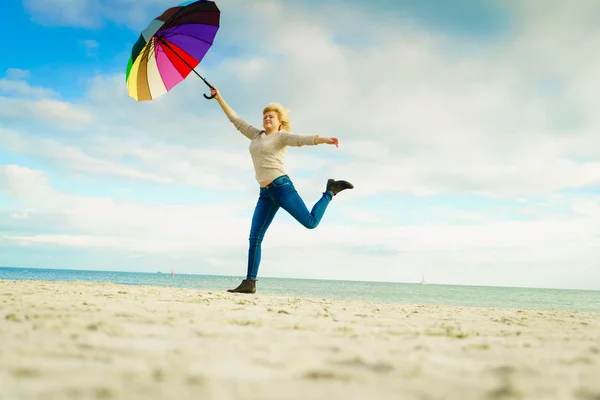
x: 185, y: 34
x: 163, y: 41
x: 146, y: 53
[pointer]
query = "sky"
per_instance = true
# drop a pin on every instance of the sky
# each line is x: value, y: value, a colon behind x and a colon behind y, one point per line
x: 469, y: 129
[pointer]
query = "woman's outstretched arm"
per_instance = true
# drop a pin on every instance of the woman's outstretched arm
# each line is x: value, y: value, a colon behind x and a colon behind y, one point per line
x: 293, y: 139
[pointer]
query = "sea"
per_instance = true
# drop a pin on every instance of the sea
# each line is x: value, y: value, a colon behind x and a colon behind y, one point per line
x: 381, y: 292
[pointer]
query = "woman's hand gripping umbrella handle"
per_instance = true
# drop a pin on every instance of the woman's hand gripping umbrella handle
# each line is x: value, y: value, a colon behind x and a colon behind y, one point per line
x: 211, y: 88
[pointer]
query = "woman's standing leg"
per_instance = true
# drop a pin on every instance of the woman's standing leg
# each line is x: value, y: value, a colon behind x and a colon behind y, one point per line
x: 264, y: 212
x: 263, y: 216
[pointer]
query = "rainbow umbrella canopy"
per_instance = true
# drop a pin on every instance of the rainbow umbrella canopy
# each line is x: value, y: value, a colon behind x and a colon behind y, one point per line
x: 170, y: 48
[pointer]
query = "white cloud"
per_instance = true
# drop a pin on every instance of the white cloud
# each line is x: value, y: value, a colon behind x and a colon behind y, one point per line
x: 35, y: 104
x: 93, y: 14
x: 15, y: 84
x: 90, y: 47
x: 73, y: 158
x: 107, y: 217
x: 221, y: 231
x: 68, y: 12
x: 90, y: 44
x: 17, y: 73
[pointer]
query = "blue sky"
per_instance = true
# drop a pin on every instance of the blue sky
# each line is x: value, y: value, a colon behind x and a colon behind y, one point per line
x: 470, y: 142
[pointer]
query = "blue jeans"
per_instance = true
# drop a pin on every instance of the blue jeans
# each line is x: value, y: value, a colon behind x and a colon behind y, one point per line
x: 280, y: 193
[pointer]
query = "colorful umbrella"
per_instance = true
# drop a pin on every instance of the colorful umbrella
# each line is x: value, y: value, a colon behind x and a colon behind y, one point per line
x: 170, y: 48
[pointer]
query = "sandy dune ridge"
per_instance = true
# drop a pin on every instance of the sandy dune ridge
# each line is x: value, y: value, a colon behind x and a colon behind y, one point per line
x: 81, y: 340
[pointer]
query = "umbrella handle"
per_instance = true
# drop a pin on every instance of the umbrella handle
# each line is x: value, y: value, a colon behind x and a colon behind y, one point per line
x: 209, y: 85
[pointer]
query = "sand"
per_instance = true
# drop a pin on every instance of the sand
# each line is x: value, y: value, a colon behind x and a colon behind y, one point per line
x: 105, y: 341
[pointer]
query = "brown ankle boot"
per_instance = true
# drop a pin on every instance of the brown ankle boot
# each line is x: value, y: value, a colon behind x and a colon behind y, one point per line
x: 337, y: 186
x: 247, y: 286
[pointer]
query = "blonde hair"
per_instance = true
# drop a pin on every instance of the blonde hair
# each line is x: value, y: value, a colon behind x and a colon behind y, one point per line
x: 282, y: 114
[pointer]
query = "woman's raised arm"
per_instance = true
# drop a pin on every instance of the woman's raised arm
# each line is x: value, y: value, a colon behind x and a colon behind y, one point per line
x: 245, y: 128
x: 226, y: 108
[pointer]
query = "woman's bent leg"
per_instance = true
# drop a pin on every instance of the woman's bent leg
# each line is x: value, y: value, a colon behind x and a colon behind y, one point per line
x: 288, y: 198
x: 264, y: 213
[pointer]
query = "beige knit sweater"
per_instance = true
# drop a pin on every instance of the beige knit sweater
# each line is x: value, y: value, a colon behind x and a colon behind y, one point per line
x: 268, y: 151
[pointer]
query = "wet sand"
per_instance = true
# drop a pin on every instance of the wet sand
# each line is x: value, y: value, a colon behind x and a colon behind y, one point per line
x: 79, y: 340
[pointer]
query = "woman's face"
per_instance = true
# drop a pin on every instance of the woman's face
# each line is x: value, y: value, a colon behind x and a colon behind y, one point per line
x: 270, y: 121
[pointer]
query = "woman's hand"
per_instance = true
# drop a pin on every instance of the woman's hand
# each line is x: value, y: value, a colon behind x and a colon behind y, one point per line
x: 215, y: 92
x: 332, y: 140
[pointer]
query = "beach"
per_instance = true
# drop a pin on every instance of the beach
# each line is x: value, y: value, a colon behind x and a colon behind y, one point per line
x: 85, y: 340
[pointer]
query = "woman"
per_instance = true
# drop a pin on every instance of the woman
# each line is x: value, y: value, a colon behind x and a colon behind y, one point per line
x: 267, y: 149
